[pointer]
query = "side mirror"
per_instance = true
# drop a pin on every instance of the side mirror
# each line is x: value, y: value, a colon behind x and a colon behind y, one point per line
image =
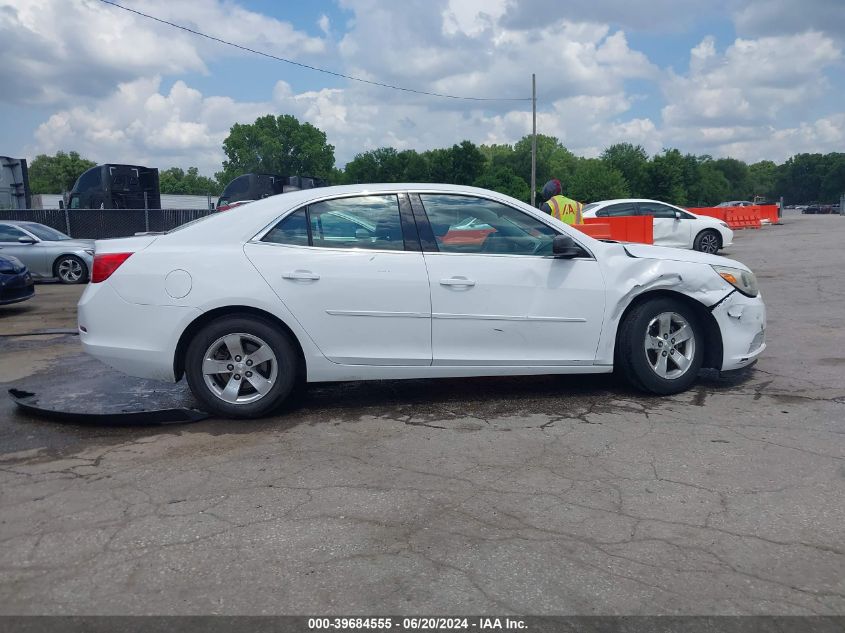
x: 678, y: 215
x: 27, y: 240
x: 564, y: 247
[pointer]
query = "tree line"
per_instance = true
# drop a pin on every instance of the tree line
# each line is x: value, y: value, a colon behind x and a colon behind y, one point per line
x: 283, y: 145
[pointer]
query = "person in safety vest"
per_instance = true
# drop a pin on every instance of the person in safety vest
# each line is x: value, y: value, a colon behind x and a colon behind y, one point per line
x: 559, y: 206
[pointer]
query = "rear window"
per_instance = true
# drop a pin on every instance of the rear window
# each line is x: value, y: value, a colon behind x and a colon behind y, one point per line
x: 370, y: 222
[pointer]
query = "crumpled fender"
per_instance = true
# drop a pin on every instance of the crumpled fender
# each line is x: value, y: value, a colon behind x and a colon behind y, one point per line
x: 628, y: 277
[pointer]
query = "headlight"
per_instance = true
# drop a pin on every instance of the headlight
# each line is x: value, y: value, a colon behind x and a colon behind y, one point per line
x: 742, y: 280
x: 90, y: 251
x: 725, y: 224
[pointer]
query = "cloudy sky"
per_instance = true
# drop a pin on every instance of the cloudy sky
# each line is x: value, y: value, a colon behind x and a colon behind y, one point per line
x: 754, y: 79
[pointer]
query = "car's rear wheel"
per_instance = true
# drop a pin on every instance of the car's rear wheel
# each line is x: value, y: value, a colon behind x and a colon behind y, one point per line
x: 70, y: 269
x: 241, y: 367
x: 708, y: 241
x: 660, y: 346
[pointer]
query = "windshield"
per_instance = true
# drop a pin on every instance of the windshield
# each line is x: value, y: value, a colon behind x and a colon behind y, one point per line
x: 45, y: 233
x: 592, y: 205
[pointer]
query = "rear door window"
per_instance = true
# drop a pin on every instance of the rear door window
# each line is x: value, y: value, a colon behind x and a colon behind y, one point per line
x: 369, y: 222
x: 615, y: 210
x: 656, y: 210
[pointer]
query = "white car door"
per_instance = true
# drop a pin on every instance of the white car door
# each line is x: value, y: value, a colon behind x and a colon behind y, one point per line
x: 501, y: 298
x: 668, y: 229
x: 343, y: 270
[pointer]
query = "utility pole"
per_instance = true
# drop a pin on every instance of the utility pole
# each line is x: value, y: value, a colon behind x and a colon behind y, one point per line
x: 533, y: 140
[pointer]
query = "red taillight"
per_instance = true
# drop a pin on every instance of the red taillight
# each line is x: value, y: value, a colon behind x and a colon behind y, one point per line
x: 106, y: 264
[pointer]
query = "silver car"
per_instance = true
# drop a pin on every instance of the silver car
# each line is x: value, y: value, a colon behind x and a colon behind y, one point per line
x: 46, y: 251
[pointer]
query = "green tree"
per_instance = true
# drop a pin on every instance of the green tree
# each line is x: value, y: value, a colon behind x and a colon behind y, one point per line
x: 503, y: 180
x: 177, y: 180
x: 56, y: 174
x: 414, y: 166
x: 666, y: 177
x: 377, y: 165
x: 440, y: 165
x: 548, y: 149
x: 595, y: 180
x: 467, y: 163
x: 632, y: 163
x: 276, y: 145
x: 800, y: 178
x: 712, y: 187
x: 736, y: 172
x: 762, y: 177
x: 833, y: 182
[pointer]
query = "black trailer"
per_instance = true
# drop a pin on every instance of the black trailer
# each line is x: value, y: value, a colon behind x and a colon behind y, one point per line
x: 258, y: 186
x: 116, y: 187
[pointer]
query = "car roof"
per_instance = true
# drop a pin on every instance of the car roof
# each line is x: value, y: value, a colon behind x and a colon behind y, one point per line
x: 243, y: 222
x: 620, y: 200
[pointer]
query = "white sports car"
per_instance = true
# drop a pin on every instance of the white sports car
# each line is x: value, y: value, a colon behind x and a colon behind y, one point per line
x: 406, y: 281
x: 673, y: 226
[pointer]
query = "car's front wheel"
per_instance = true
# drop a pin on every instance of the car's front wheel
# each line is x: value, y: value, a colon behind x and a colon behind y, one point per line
x: 241, y: 367
x: 708, y: 241
x: 70, y: 269
x: 660, y: 346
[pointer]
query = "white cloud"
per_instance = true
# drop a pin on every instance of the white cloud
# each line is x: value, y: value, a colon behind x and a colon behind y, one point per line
x: 748, y: 100
x: 754, y: 79
x: 53, y: 51
x: 324, y: 23
x: 139, y: 124
x: 758, y: 142
x: 461, y: 48
x: 779, y: 17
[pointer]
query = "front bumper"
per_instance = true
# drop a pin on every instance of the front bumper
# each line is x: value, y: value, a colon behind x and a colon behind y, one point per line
x: 742, y: 321
x: 15, y: 287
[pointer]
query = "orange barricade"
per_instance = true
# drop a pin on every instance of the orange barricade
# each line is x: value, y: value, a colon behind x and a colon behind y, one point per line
x: 598, y: 230
x: 735, y: 217
x: 712, y: 212
x: 625, y: 228
x: 769, y: 212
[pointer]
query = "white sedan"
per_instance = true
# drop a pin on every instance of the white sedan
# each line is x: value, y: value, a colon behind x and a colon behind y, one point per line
x: 366, y: 282
x: 673, y: 226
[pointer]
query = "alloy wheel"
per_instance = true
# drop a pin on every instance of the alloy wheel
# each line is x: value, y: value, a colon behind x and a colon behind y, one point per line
x: 239, y: 368
x: 669, y: 345
x: 709, y: 243
x: 70, y: 270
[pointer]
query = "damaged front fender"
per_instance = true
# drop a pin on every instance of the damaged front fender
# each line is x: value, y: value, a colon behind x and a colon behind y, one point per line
x: 630, y: 274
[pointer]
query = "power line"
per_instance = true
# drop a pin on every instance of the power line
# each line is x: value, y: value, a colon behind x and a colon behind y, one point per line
x: 315, y: 68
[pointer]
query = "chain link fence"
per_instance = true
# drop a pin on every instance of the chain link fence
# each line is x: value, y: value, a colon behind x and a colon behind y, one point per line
x: 103, y: 223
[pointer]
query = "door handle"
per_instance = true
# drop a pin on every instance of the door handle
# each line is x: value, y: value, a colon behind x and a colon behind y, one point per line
x: 306, y: 275
x: 457, y: 281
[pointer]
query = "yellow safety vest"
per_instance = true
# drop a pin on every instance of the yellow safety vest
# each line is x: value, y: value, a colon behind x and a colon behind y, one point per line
x: 566, y: 209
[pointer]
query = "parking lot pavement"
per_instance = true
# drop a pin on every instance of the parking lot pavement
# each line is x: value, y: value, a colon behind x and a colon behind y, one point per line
x: 531, y: 495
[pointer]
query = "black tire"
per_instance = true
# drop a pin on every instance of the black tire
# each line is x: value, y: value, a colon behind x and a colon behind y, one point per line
x: 70, y: 269
x: 286, y: 358
x: 708, y: 241
x: 632, y: 359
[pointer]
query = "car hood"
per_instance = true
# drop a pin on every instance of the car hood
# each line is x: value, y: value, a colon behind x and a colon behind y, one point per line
x: 708, y: 219
x: 72, y: 245
x: 645, y: 251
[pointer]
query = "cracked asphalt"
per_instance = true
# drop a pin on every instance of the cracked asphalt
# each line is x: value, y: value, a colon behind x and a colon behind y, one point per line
x: 549, y: 495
